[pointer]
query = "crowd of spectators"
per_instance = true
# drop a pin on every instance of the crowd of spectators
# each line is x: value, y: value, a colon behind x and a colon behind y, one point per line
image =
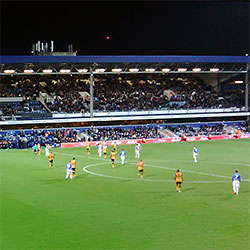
x: 62, y: 90
x: 121, y: 133
x: 23, y: 139
x: 119, y: 93
x: 23, y: 107
x: 27, y: 138
x: 244, y: 127
x: 203, y: 129
x: 147, y: 93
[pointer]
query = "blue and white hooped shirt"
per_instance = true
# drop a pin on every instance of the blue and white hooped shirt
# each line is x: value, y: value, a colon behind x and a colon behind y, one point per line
x: 236, y: 178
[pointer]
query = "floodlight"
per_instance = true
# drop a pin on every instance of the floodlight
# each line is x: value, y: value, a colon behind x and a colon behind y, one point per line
x: 82, y: 70
x: 9, y: 71
x: 150, y: 70
x: 116, y: 70
x: 99, y: 70
x: 28, y: 71
x: 47, y: 71
x: 196, y: 69
x: 238, y: 81
x: 166, y: 70
x: 214, y: 69
x: 182, y: 69
x: 65, y: 70
x: 133, y: 70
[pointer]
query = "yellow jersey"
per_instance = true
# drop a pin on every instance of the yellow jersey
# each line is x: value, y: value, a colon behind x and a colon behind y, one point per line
x: 140, y: 165
x: 73, y: 162
x: 51, y: 157
x: 178, y: 177
x: 112, y: 155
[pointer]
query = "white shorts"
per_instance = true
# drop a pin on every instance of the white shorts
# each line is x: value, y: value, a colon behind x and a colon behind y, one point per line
x: 236, y: 183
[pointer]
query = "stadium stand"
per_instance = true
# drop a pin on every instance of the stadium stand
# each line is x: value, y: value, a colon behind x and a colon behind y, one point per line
x: 116, y: 133
x: 63, y: 93
x: 205, y: 129
x: 27, y: 138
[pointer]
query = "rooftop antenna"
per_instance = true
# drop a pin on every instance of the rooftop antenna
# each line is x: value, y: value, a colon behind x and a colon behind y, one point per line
x: 52, y: 46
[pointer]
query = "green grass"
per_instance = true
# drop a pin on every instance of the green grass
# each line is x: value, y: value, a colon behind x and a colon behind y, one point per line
x: 40, y: 210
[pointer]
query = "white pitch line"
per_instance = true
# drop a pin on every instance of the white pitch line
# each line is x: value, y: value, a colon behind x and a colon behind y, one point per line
x: 229, y: 163
x: 132, y: 179
x: 189, y: 171
x: 174, y: 169
x: 101, y: 159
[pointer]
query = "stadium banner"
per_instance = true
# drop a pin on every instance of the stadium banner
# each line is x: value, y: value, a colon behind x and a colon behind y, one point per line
x: 157, y: 140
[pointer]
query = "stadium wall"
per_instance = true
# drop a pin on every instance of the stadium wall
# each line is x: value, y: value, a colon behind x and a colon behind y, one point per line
x: 158, y: 140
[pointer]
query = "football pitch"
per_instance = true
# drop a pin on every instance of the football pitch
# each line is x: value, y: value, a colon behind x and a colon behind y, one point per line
x: 105, y: 208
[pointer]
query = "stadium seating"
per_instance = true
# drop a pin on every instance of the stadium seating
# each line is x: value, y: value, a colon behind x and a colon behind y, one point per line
x: 203, y: 129
x: 115, y: 93
x: 27, y: 138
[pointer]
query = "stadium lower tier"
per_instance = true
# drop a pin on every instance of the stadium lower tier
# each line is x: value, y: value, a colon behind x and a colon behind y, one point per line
x: 22, y: 139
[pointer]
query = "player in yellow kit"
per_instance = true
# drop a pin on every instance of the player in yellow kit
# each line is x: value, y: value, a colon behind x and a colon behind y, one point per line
x: 73, y: 162
x: 115, y: 147
x: 51, y: 159
x: 104, y: 151
x: 88, y: 148
x: 178, y: 180
x: 112, y: 157
x: 38, y: 149
x: 140, y: 168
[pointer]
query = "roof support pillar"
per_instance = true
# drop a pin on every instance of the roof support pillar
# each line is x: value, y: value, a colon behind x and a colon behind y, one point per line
x: 247, y: 89
x: 218, y: 83
x: 91, y: 92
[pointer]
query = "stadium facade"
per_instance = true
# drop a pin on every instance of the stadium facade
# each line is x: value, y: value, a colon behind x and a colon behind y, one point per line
x: 221, y: 68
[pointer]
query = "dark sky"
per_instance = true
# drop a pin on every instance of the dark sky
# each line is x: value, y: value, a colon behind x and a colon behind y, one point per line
x: 145, y: 28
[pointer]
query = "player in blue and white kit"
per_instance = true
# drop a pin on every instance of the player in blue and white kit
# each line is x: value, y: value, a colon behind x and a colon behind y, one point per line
x: 195, y: 154
x: 137, y: 150
x: 236, y: 179
x: 69, y: 171
x: 47, y: 150
x: 99, y: 149
x: 122, y: 156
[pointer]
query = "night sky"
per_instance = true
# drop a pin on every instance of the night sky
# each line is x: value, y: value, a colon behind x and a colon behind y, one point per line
x: 143, y: 28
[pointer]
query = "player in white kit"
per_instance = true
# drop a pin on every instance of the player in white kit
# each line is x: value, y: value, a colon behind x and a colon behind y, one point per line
x: 236, y: 179
x: 99, y: 149
x: 137, y: 150
x: 122, y: 156
x: 69, y: 171
x: 47, y: 150
x: 195, y: 154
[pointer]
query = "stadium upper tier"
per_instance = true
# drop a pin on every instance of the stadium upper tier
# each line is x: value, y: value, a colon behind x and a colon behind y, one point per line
x: 70, y: 93
x: 121, y: 87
